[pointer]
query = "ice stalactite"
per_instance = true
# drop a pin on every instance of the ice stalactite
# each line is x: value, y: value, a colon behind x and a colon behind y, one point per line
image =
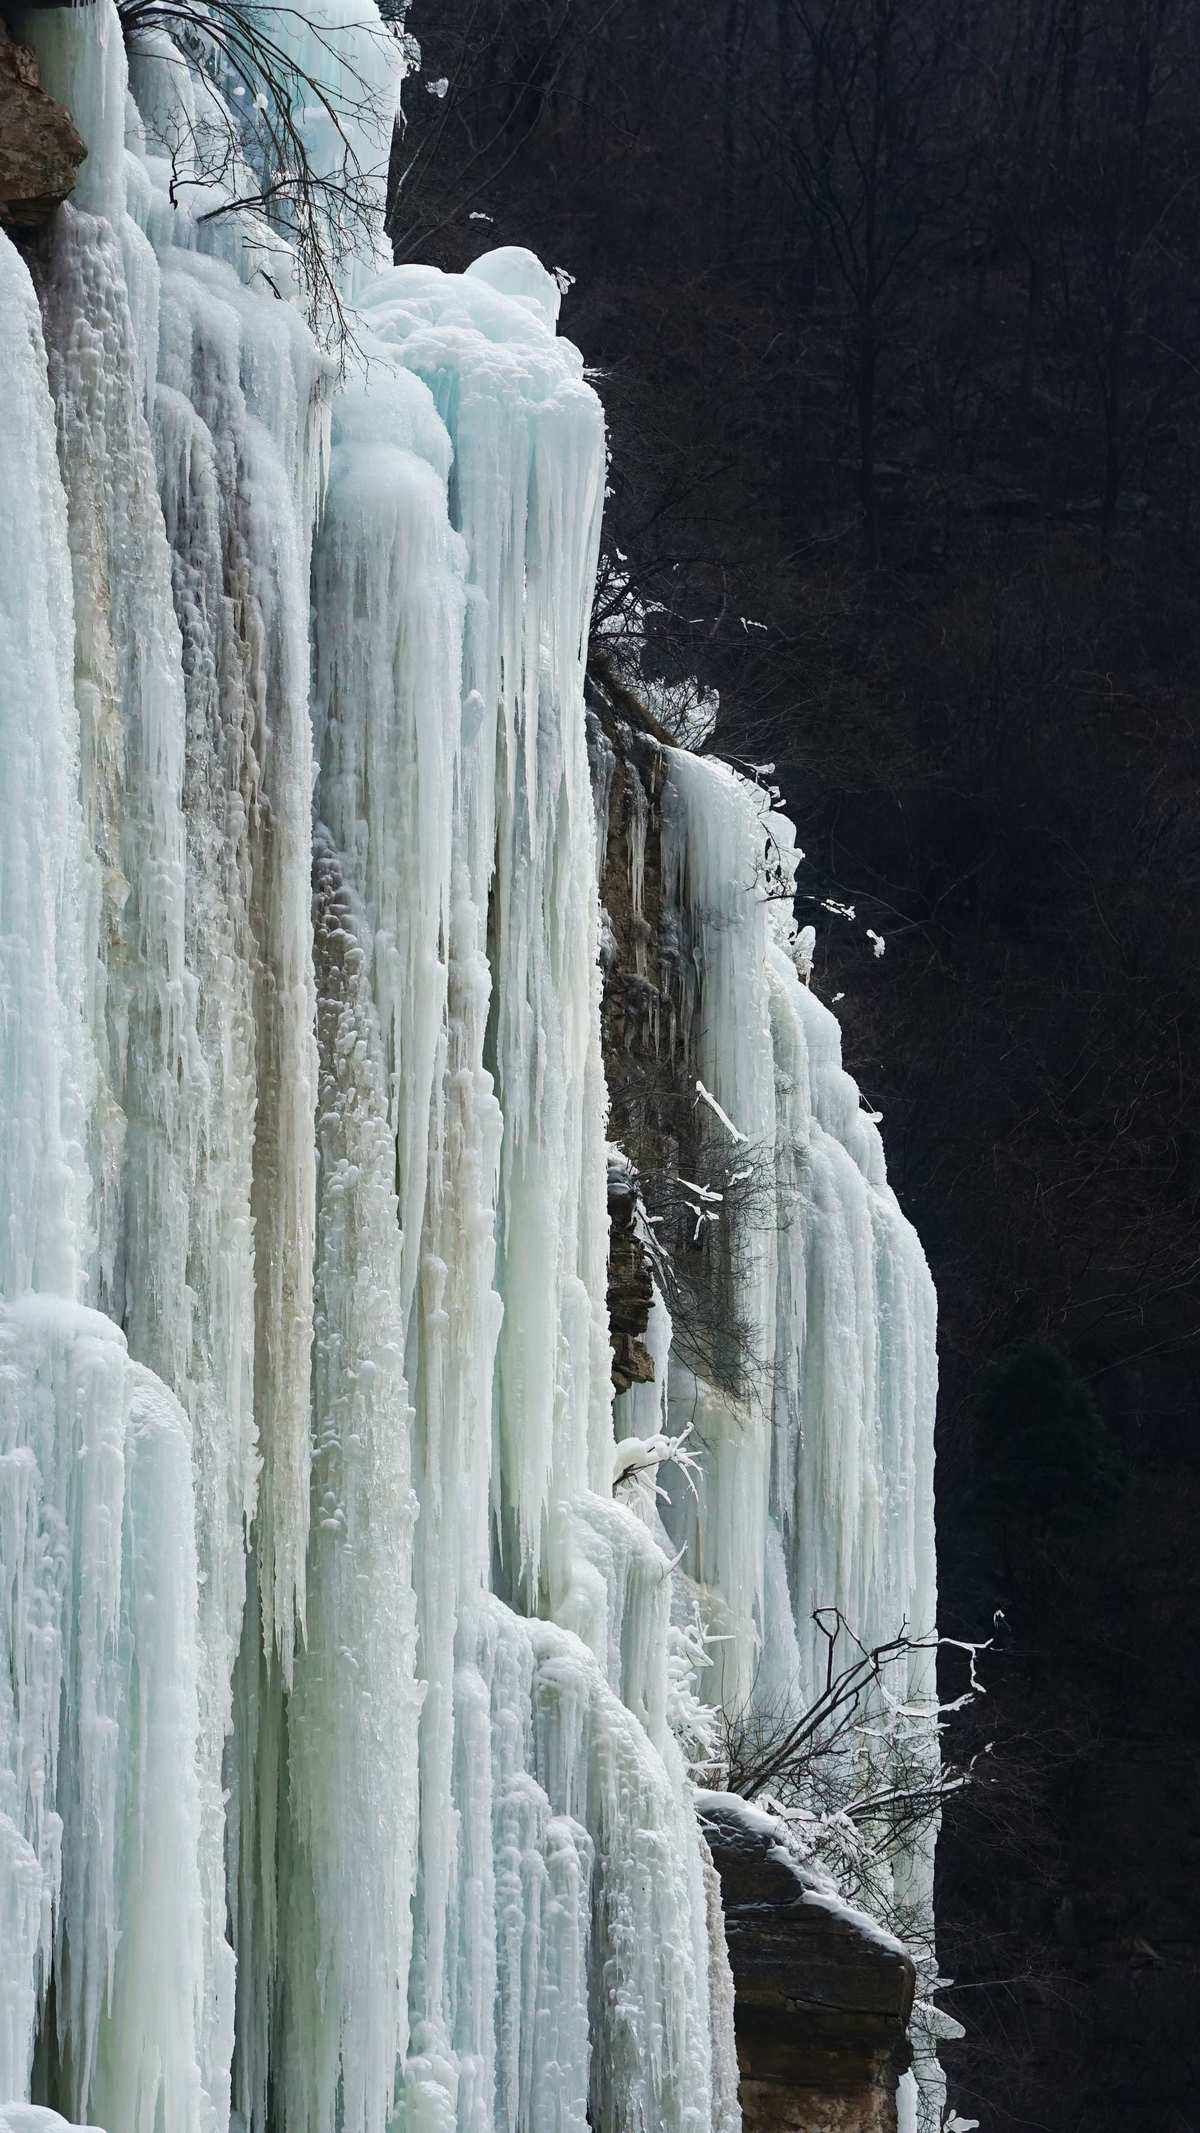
x: 347, y: 1926
x: 526, y: 489
x: 235, y: 417
x: 712, y: 862
x: 99, y: 1555
x: 43, y: 1048
x: 388, y: 608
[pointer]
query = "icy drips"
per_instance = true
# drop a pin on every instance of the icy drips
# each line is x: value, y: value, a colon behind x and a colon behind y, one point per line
x: 47, y: 1072
x: 101, y: 1828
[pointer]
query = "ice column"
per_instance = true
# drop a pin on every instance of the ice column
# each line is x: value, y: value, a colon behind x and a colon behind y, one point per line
x: 43, y: 1190
x: 98, y: 1723
x: 525, y: 493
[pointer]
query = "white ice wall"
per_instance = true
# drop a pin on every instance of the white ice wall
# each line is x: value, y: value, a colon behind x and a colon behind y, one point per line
x: 338, y: 1784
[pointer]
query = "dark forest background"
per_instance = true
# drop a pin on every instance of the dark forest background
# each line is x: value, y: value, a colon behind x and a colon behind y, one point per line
x: 895, y: 311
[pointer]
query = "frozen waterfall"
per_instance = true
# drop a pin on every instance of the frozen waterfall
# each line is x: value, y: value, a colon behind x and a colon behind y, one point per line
x: 343, y: 1776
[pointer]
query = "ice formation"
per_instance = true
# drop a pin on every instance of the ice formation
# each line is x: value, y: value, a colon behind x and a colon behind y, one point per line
x: 345, y: 1710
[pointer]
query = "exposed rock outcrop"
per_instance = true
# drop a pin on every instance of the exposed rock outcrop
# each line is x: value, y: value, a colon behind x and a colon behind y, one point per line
x: 629, y: 772
x: 627, y: 778
x: 40, y: 149
x: 630, y: 1286
x: 822, y: 1994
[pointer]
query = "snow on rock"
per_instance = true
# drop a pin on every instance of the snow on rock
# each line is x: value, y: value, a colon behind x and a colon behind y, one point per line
x: 822, y: 1995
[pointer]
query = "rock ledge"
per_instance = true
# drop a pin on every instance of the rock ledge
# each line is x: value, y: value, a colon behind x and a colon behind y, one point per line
x: 40, y: 149
x: 822, y: 1995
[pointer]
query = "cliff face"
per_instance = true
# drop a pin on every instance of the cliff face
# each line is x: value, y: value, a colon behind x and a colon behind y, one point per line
x: 628, y: 776
x: 630, y: 1284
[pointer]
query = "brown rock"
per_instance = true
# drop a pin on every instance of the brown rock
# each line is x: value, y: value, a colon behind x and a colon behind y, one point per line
x: 821, y: 1998
x: 629, y: 768
x: 630, y: 1287
x: 40, y: 150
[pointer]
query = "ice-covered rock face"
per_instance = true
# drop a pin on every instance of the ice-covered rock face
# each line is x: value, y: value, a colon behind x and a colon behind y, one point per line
x: 811, y: 1422
x: 342, y: 1712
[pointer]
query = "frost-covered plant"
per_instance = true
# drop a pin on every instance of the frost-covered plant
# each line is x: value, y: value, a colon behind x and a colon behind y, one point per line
x: 627, y: 627
x: 855, y: 1772
x: 708, y: 1218
x: 707, y: 1195
x: 283, y: 120
x: 695, y: 1724
x: 645, y: 1455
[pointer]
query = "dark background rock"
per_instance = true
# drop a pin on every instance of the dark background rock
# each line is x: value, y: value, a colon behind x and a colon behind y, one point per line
x: 934, y: 535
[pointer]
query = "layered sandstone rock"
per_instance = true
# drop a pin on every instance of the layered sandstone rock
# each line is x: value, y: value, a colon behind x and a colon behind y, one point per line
x: 822, y: 1994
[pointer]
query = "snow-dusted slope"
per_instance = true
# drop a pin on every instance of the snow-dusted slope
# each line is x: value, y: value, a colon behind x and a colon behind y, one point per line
x: 337, y: 1779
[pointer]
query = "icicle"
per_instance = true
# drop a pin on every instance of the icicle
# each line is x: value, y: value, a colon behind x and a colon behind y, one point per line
x: 43, y: 1056
x: 388, y: 712
x: 98, y: 1741
x: 526, y: 490
x: 726, y: 2109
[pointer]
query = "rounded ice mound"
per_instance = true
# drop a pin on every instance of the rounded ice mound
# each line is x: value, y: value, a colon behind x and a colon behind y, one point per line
x: 33, y: 2118
x: 516, y: 272
x: 392, y: 407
